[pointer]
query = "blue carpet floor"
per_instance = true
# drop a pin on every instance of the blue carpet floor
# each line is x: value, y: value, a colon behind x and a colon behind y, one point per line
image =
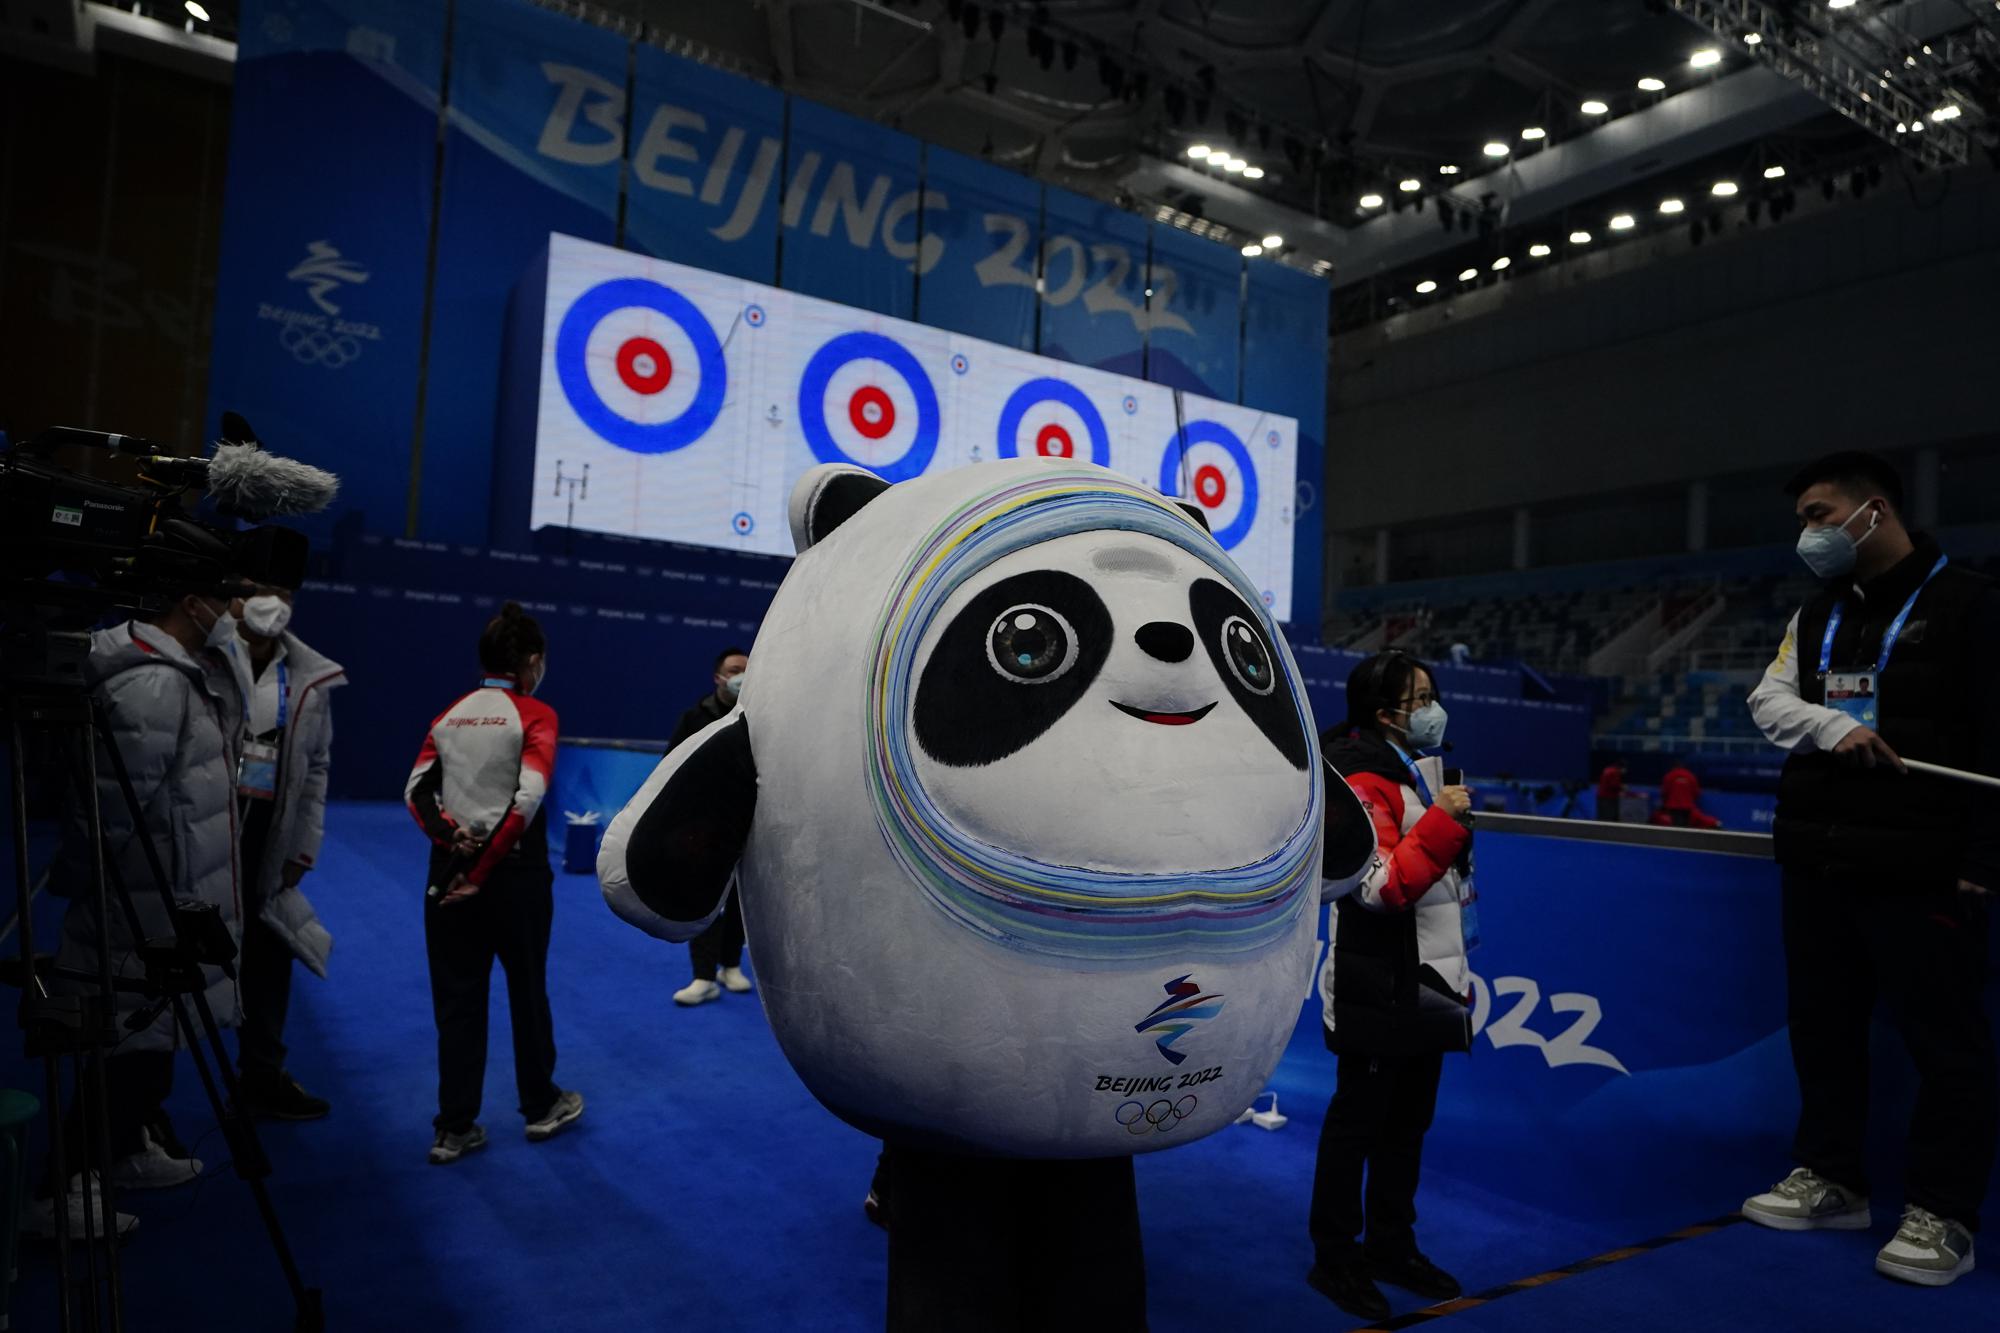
x: 706, y: 1189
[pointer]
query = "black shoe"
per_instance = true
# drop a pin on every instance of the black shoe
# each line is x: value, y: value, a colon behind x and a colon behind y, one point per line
x: 1347, y: 1285
x: 279, y: 1097
x: 1414, y: 1273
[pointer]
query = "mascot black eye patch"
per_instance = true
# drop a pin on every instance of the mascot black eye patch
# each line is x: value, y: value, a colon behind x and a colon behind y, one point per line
x: 1233, y: 636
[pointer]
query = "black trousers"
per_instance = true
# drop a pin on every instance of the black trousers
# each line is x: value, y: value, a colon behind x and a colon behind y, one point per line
x: 264, y: 971
x: 997, y: 1245
x: 508, y: 919
x: 1381, y: 1109
x: 721, y: 945
x: 1924, y: 954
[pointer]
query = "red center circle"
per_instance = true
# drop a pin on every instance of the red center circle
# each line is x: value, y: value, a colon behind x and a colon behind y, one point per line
x: 649, y: 378
x: 1210, y: 487
x: 871, y: 412
x: 1052, y: 441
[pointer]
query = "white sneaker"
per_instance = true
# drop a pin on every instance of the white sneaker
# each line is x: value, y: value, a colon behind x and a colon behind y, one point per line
x: 1803, y: 1201
x: 153, y: 1167
x: 1928, y: 1250
x: 697, y: 992
x: 733, y: 979
x: 39, y: 1217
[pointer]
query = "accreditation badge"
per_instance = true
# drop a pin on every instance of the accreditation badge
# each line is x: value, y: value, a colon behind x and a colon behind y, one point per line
x: 257, y: 771
x: 1854, y: 693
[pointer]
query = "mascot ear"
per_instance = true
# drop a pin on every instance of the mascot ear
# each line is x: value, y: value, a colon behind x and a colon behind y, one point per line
x: 827, y: 497
x: 1348, y: 852
x: 1194, y: 512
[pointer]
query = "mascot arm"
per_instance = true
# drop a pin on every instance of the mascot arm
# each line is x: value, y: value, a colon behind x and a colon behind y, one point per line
x: 1349, y: 845
x: 668, y: 856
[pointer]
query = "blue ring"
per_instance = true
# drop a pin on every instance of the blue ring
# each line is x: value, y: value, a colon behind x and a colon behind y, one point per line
x: 1214, y: 432
x: 959, y: 364
x: 818, y: 374
x: 573, y: 340
x: 753, y: 315
x: 749, y: 524
x: 1046, y: 390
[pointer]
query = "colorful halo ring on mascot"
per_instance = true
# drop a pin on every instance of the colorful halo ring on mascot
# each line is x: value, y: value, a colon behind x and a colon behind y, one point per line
x: 1088, y: 917
x: 1221, y: 478
x: 640, y: 366
x: 1052, y: 418
x: 851, y: 412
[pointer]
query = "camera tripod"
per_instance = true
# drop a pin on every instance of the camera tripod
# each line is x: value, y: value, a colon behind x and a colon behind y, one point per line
x: 42, y: 693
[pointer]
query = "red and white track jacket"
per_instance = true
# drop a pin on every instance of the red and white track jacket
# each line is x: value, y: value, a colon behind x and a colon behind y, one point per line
x: 485, y: 766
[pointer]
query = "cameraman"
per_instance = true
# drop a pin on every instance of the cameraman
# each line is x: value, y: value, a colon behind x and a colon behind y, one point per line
x: 174, y: 712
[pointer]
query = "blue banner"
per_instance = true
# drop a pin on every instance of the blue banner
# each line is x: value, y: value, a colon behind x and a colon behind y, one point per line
x: 707, y: 152
x: 319, y: 301
x: 987, y: 222
x: 533, y: 144
x: 1194, y: 322
x: 1093, y: 284
x: 1284, y: 370
x: 852, y: 213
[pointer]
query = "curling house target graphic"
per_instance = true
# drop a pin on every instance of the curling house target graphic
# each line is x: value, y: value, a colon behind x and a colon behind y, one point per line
x: 1054, y: 419
x: 1221, y: 478
x: 864, y: 399
x: 640, y: 365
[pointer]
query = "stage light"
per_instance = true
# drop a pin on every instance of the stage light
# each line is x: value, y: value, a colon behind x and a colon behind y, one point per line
x: 1649, y: 84
x: 1234, y: 165
x: 1447, y: 170
x: 1199, y: 151
x: 1252, y: 251
x: 1495, y: 149
x: 1468, y: 275
x: 1706, y: 58
x: 1253, y: 173
x: 1774, y: 173
x: 1371, y: 201
x: 1916, y: 127
x: 1672, y: 206
x: 1623, y: 222
x: 1840, y: 4
x: 1538, y: 251
x: 1950, y: 112
x: 1426, y: 287
x: 1273, y: 241
x: 1722, y: 189
x: 1902, y: 128
x: 1579, y: 238
x: 1594, y: 107
x: 1500, y: 263
x: 200, y: 14
x: 1753, y: 39
x: 1534, y: 132
x: 1409, y: 185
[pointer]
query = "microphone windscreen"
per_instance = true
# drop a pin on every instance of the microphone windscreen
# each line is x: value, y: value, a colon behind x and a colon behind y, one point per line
x: 246, y: 480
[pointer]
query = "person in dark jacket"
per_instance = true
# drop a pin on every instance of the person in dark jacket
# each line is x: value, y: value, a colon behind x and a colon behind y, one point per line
x: 718, y: 951
x: 1888, y: 873
x: 1394, y: 989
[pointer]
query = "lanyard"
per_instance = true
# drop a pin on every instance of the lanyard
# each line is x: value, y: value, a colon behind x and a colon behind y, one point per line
x: 1416, y: 776
x: 1889, y: 636
x: 284, y: 695
x: 499, y: 683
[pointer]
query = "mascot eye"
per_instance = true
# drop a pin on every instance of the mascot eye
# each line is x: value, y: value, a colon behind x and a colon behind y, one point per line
x: 1247, y: 657
x: 1031, y: 645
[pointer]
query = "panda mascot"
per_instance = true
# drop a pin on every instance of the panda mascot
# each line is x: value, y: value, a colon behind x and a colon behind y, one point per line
x: 1026, y: 810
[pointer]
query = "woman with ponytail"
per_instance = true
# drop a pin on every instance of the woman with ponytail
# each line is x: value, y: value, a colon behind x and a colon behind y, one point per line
x: 477, y: 790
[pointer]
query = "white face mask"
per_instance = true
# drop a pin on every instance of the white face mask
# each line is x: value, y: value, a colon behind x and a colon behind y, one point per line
x: 221, y: 633
x: 1831, y: 550
x: 267, y: 615
x: 732, y: 686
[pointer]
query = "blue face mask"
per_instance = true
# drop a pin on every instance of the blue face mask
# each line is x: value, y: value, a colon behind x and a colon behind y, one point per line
x: 1426, y: 729
x: 1830, y: 551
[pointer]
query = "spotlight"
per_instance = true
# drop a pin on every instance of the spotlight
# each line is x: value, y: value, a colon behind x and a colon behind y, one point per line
x: 1468, y: 275
x: 1916, y: 127
x: 1447, y: 170
x: 1500, y: 263
x: 1722, y: 189
x: 1594, y: 107
x: 1949, y: 112
x: 1753, y: 39
x: 1840, y: 4
x: 1273, y: 242
x: 1649, y: 84
x: 1579, y: 238
x: 1534, y: 132
x: 1253, y: 173
x: 1234, y: 166
x: 1426, y: 287
x: 1199, y: 151
x: 1672, y: 206
x: 1495, y: 149
x: 1706, y: 58
x: 200, y: 15
x: 1371, y: 201
x: 1409, y: 185
x: 1774, y: 173
x: 1538, y: 251
x: 1623, y: 222
x: 1252, y: 251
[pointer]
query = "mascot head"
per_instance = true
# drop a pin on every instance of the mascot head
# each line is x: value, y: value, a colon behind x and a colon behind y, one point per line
x: 1029, y: 810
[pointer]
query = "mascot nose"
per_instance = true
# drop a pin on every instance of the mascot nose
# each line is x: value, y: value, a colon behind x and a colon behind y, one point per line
x: 1165, y: 640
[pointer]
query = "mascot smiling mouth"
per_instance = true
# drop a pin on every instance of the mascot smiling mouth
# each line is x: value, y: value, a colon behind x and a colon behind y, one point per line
x: 1166, y: 719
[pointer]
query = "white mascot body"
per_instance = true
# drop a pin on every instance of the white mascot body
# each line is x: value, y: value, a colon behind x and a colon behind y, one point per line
x: 1025, y: 806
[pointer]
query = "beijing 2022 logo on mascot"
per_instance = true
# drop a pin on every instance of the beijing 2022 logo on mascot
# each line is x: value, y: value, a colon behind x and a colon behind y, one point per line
x: 1027, y: 810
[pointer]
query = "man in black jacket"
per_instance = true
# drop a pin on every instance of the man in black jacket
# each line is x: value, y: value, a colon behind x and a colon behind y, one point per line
x: 717, y: 951
x: 1887, y: 872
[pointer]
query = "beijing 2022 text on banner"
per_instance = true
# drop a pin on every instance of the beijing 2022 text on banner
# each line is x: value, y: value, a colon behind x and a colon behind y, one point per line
x: 695, y: 400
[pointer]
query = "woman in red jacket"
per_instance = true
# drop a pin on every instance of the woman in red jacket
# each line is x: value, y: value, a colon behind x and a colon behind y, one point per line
x: 1394, y: 988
